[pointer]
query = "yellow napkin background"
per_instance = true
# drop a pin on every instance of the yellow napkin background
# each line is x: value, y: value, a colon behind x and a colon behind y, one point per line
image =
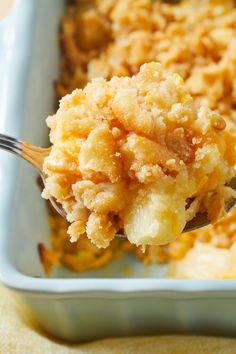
x: 19, y: 335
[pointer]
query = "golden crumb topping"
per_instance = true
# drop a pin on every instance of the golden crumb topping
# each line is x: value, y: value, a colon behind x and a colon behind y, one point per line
x: 196, y: 39
x: 131, y: 152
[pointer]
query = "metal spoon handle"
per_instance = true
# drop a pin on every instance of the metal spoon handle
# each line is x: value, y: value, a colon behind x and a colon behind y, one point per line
x: 33, y: 154
x: 10, y: 144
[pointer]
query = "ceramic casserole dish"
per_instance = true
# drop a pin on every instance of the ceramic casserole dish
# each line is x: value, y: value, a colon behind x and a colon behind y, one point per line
x: 95, y: 304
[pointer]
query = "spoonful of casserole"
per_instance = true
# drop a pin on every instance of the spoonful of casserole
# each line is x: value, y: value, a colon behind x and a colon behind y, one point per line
x: 133, y: 154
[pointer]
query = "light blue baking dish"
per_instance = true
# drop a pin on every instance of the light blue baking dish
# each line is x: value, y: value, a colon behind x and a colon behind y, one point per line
x: 95, y: 304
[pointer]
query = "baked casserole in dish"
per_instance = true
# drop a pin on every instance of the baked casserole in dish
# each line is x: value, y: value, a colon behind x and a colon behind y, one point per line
x: 134, y: 292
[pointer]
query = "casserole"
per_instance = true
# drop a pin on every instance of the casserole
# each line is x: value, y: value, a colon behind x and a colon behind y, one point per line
x: 95, y: 304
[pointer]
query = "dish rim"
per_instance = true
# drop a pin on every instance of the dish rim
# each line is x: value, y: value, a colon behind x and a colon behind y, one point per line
x: 16, y: 280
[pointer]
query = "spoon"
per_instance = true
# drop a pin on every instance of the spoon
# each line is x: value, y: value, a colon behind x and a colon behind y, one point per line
x: 36, y: 155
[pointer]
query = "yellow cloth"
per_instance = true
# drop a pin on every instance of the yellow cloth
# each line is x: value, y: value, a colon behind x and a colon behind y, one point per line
x: 19, y: 335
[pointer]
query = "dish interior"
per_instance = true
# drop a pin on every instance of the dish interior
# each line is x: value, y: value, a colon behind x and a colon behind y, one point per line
x: 29, y: 224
